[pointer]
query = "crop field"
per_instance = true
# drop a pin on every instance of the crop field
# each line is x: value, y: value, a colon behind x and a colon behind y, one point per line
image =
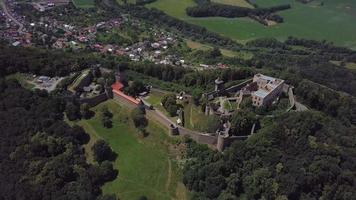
x: 146, y: 166
x: 241, y: 3
x: 84, y: 3
x: 331, y: 20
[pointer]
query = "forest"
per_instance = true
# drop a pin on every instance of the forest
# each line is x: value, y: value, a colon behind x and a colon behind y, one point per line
x: 41, y: 156
x: 302, y: 155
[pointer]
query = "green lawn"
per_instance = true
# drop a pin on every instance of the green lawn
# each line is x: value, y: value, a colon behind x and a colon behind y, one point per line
x: 146, y: 166
x: 23, y: 79
x: 84, y: 3
x: 193, y: 116
x: 334, y: 21
x: 155, y: 98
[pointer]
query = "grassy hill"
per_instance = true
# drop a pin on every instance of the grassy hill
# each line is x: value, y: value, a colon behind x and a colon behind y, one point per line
x: 332, y: 21
x: 146, y: 165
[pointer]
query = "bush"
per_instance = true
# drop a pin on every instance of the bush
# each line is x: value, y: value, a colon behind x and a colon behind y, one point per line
x: 102, y: 151
x: 139, y: 118
x: 106, y: 117
x: 170, y: 104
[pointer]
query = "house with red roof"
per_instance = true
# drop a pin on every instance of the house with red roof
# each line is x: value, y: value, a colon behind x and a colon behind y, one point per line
x: 117, y: 92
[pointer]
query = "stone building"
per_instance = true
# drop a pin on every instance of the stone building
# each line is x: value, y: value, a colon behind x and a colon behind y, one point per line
x: 269, y: 89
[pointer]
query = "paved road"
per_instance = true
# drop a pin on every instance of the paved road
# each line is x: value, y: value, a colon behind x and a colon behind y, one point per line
x: 8, y: 14
x: 300, y: 107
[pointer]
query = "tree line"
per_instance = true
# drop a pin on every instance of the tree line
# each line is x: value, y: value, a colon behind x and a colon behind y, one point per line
x: 229, y: 11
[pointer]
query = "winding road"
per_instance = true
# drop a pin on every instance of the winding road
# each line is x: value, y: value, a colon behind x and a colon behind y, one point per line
x: 8, y: 14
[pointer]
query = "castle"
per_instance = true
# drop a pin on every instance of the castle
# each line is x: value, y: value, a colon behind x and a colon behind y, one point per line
x: 268, y: 90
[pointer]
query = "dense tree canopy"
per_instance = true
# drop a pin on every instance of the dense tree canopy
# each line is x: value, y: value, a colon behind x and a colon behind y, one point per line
x: 41, y: 156
x: 300, y: 156
x: 102, y: 151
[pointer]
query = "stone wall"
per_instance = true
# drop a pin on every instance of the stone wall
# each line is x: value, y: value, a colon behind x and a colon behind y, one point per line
x: 84, y: 82
x: 93, y: 101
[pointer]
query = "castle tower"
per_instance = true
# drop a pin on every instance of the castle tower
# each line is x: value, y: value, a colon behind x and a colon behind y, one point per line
x: 174, y: 130
x: 207, y: 109
x: 220, y: 143
x: 219, y: 85
x: 223, y: 137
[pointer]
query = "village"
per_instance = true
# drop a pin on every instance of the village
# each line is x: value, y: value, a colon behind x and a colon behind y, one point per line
x: 104, y: 37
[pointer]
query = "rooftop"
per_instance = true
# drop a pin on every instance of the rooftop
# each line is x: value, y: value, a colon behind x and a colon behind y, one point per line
x: 261, y: 93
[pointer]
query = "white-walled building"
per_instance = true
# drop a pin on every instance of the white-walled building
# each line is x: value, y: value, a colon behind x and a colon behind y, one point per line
x: 269, y: 89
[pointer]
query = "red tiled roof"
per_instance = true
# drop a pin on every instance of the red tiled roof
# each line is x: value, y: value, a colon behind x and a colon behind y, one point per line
x: 117, y: 87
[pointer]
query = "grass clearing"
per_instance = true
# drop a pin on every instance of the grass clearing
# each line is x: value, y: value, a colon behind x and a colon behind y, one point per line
x: 198, y: 46
x: 348, y: 65
x: 333, y: 21
x: 228, y: 53
x: 351, y: 66
x: 145, y: 165
x: 241, y: 3
x: 155, y: 98
x: 23, y: 79
x: 193, y: 115
x: 84, y: 3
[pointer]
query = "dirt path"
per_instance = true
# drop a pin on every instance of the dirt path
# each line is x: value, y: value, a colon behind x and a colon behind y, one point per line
x: 169, y: 175
x: 181, y: 192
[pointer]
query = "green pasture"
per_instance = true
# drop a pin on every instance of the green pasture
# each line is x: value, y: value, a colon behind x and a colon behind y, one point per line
x: 84, y: 3
x: 145, y: 165
x: 333, y: 21
x: 241, y: 3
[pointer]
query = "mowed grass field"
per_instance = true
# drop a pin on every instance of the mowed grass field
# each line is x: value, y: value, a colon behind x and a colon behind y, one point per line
x: 146, y: 166
x: 84, y: 3
x: 333, y: 21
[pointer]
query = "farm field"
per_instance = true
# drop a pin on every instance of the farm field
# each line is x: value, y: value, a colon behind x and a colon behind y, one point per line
x: 146, y: 166
x: 84, y: 3
x: 332, y: 21
x: 241, y: 3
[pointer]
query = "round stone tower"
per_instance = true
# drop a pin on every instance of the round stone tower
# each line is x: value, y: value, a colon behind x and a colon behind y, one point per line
x: 174, y: 130
x: 219, y: 85
x: 222, y: 137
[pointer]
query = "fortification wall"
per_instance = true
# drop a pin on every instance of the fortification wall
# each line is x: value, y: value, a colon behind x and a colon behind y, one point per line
x: 85, y: 81
x: 93, y: 101
x: 238, y: 87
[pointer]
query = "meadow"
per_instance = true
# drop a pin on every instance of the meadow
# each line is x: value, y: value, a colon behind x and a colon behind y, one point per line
x: 241, y: 3
x: 331, y: 20
x: 228, y: 53
x: 84, y: 3
x: 146, y: 165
